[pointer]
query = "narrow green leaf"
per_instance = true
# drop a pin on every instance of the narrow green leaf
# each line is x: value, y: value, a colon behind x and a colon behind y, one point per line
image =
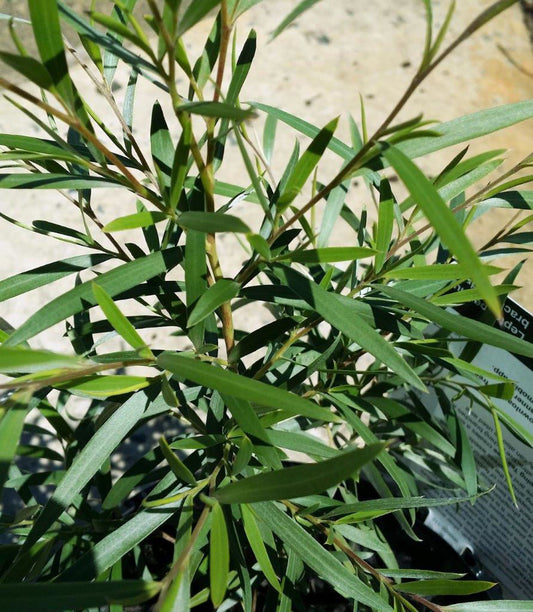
x: 76, y: 300
x: 28, y: 67
x: 436, y: 272
x: 256, y: 542
x: 302, y: 443
x: 180, y: 470
x: 120, y: 322
x: 491, y: 606
x: 445, y: 587
x: 419, y: 574
x: 11, y: 424
x: 468, y: 295
x: 504, y: 390
x: 218, y: 556
x: 468, y: 127
x: 259, y: 244
x: 521, y: 199
x: 306, y: 164
x: 117, y: 27
x: 340, y: 311
x: 210, y: 223
x: 328, y: 254
x: 467, y: 328
x: 140, y: 219
x: 222, y: 291
x: 18, y: 359
x: 193, y: 14
x: 334, y: 204
x: 219, y: 110
x: 313, y: 554
x: 47, y: 31
x: 180, y: 166
x: 106, y: 386
x: 161, y: 145
x: 300, y: 8
x: 444, y: 222
x: 238, y: 78
x: 247, y: 419
x: 242, y: 388
x: 114, y: 48
x: 50, y: 180
x: 44, y: 275
x: 503, y: 456
x: 54, y: 596
x: 385, y: 224
x: 300, y: 480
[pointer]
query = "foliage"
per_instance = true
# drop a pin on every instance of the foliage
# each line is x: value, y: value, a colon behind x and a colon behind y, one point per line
x: 238, y: 518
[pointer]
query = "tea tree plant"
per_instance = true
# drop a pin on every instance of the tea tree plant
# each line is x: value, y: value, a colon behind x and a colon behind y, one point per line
x: 222, y: 512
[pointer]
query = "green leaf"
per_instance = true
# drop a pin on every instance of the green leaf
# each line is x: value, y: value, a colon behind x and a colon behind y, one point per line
x: 181, y: 471
x: 47, y: 31
x: 328, y: 254
x: 15, y: 359
x: 511, y: 199
x: 385, y: 224
x: 256, y: 543
x: 419, y: 574
x: 28, y: 67
x: 219, y: 110
x: 222, y: 291
x: 218, y: 556
x: 468, y: 295
x: 301, y: 442
x: 503, y: 390
x: 313, y: 554
x: 88, y: 462
x: 193, y: 14
x: 300, y: 8
x: 491, y: 606
x: 210, y: 223
x: 50, y: 180
x: 259, y: 244
x: 300, y: 480
x: 468, y: 127
x: 106, y: 386
x: 180, y: 166
x: 11, y: 424
x: 341, y: 312
x: 242, y: 388
x: 120, y: 322
x: 54, y: 596
x: 444, y: 222
x: 114, y: 48
x: 161, y: 146
x: 467, y: 328
x: 140, y: 219
x: 80, y: 298
x: 306, y: 164
x: 44, y: 275
x: 445, y: 587
x: 503, y: 456
x: 117, y: 27
x: 436, y: 272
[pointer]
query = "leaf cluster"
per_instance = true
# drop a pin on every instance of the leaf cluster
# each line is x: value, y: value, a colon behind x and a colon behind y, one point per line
x: 269, y: 440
